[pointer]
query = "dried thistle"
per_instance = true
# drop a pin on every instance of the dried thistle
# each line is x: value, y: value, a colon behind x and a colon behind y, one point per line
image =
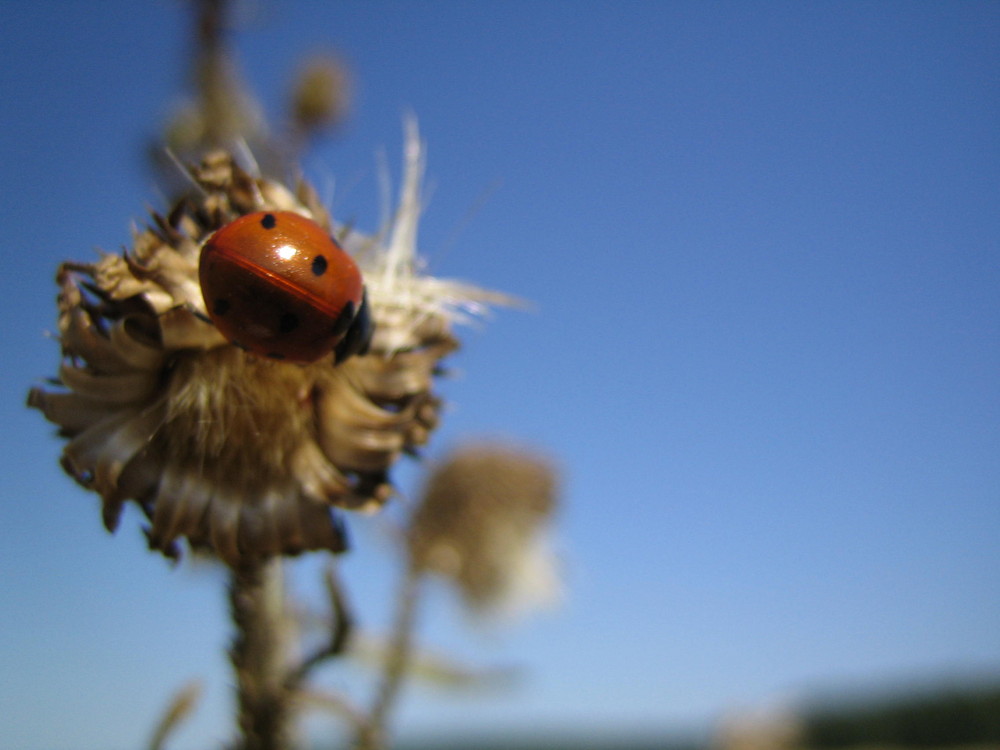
x: 481, y: 524
x: 240, y: 455
x: 247, y: 457
x: 321, y: 96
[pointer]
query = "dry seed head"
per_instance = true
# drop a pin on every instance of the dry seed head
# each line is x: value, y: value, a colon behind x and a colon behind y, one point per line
x: 239, y: 455
x: 321, y: 95
x: 481, y: 524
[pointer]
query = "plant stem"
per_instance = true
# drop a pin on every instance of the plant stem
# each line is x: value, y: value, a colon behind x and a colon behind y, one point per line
x: 341, y: 627
x: 373, y: 735
x: 257, y: 607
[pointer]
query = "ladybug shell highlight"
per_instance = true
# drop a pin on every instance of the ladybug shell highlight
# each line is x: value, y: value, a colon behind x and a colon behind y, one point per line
x: 278, y: 285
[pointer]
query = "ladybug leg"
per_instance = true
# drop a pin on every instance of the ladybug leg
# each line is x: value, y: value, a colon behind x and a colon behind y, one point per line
x: 359, y: 334
x: 198, y: 314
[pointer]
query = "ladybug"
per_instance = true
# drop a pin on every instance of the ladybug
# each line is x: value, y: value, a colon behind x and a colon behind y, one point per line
x: 277, y: 285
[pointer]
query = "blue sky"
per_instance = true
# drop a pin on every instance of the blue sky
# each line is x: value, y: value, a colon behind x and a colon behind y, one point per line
x: 762, y: 240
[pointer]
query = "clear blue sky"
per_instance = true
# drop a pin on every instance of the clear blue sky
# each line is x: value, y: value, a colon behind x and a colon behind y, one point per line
x: 764, y: 244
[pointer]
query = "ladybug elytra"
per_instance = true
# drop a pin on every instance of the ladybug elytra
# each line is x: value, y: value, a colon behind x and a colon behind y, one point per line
x: 278, y: 285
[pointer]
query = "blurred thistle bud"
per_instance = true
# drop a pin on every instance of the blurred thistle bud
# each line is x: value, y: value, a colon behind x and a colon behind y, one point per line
x: 220, y: 109
x: 320, y: 96
x: 482, y: 524
x: 241, y: 455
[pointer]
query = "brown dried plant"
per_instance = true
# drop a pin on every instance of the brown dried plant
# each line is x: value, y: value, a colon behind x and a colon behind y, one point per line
x: 249, y: 460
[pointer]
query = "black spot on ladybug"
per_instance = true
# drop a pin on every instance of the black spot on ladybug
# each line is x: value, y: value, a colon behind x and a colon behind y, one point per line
x: 319, y: 265
x: 275, y: 355
x: 220, y: 306
x: 268, y: 221
x: 343, y: 321
x: 288, y: 323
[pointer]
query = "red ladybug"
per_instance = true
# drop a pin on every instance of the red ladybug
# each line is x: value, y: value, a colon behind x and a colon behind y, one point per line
x: 278, y: 285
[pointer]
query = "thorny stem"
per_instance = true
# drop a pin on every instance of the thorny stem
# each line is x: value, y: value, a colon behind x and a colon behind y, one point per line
x: 257, y: 607
x: 372, y: 736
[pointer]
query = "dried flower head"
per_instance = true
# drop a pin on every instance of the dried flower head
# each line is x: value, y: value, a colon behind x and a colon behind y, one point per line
x: 321, y: 95
x: 481, y: 524
x: 241, y: 455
